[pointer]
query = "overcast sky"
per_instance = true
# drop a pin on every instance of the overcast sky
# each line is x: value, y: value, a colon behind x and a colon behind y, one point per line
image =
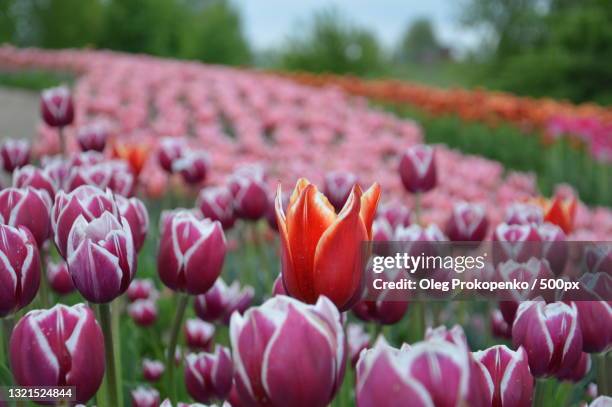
x: 268, y: 22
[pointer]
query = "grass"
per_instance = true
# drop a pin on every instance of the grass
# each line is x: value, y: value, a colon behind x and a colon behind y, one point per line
x: 35, y: 80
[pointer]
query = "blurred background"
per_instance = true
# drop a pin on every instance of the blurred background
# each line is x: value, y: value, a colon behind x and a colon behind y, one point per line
x: 557, y: 48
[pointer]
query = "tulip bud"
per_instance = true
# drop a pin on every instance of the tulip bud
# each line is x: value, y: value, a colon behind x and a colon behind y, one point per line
x: 65, y: 348
x: 170, y: 149
x: 56, y: 107
x: 193, y: 166
x: 27, y: 207
x: 510, y: 375
x: 152, y: 370
x: 19, y: 269
x: 191, y: 252
x: 601, y: 401
x: 524, y: 214
x: 30, y: 176
x: 598, y: 257
x: 145, y: 397
x: 311, y: 233
x: 554, y: 246
x: 271, y: 340
x: 338, y: 186
x: 382, y: 231
x: 216, y: 203
x: 395, y: 214
x: 278, y: 288
x: 93, y: 137
x: 101, y: 257
x: 114, y: 175
x: 577, y: 372
x: 271, y: 211
x: 221, y: 301
x: 86, y: 201
x: 199, y: 334
x: 141, y: 290
x: 382, y: 311
x: 14, y: 154
x: 135, y: 212
x: 57, y: 168
x: 86, y: 158
x: 550, y: 334
x: 250, y: 193
x: 143, y: 312
x: 594, y: 312
x: 59, y: 278
x: 357, y: 339
x: 418, y: 169
x: 209, y: 376
x: 499, y: 327
x: 518, y: 243
x: 468, y: 223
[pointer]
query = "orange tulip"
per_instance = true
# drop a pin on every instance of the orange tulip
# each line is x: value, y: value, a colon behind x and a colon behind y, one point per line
x: 559, y: 211
x: 134, y: 153
x: 321, y: 251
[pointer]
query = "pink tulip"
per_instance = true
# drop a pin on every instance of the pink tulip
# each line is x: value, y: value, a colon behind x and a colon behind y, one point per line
x: 145, y: 397
x: 101, y: 257
x: 208, y: 376
x: 468, y: 223
x: 57, y: 169
x: 19, y: 269
x: 386, y: 312
x: 285, y: 335
x: 598, y: 257
x: 499, y: 327
x: 115, y: 175
x: 170, y: 149
x: 577, y: 372
x: 338, y: 186
x: 516, y: 242
x: 86, y: 201
x: 27, y: 207
x: 93, y: 137
x: 135, y: 212
x: 143, y: 312
x: 382, y: 231
x: 59, y: 278
x: 141, y: 290
x: 357, y: 340
x: 14, y: 154
x: 56, y: 107
x: 216, y: 203
x: 30, y: 176
x: 65, y: 348
x: 601, y: 401
x: 554, y: 246
x: 278, y: 288
x: 221, y: 301
x: 510, y: 375
x: 417, y: 169
x: 191, y: 252
x: 595, y: 312
x: 524, y: 214
x: 193, y: 166
x: 250, y: 193
x: 199, y: 334
x: 395, y: 214
x: 152, y: 370
x: 550, y: 334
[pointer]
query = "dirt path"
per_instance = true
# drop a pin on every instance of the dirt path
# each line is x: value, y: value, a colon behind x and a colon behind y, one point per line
x: 18, y: 113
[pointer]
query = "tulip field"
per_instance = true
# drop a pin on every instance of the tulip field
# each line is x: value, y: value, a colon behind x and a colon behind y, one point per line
x: 186, y: 234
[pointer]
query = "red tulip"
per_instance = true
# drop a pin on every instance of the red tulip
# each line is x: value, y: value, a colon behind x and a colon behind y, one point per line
x: 135, y: 212
x: 170, y: 149
x: 27, y: 207
x: 193, y: 166
x: 56, y: 107
x: 19, y: 269
x: 550, y: 334
x: 524, y: 214
x: 143, y: 312
x: 468, y: 223
x: 152, y: 370
x: 418, y: 169
x: 510, y: 375
x: 285, y: 335
x: 14, y: 154
x: 101, y: 257
x: 65, y: 347
x: 141, y: 290
x: 93, y: 137
x: 357, y: 340
x: 59, y: 278
x: 208, y: 376
x: 338, y: 186
x: 191, y: 252
x: 560, y: 211
x: 135, y: 153
x: 30, y: 176
x: 199, y: 334
x: 216, y: 203
x: 250, y: 193
x: 221, y: 301
x: 145, y: 397
x: 321, y: 250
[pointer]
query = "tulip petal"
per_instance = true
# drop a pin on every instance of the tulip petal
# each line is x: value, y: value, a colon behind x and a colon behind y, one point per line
x: 369, y: 203
x: 95, y: 272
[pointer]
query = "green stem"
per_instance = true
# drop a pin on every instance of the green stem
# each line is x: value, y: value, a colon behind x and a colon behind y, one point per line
x: 62, y: 140
x: 104, y: 313
x: 603, y: 375
x: 43, y: 289
x: 183, y: 300
x: 540, y: 393
x: 7, y: 330
x: 116, y: 307
x: 417, y: 208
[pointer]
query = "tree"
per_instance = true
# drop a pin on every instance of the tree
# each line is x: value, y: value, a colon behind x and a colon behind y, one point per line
x: 419, y: 43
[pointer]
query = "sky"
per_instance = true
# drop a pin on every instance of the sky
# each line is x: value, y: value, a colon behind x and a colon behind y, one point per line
x: 269, y: 22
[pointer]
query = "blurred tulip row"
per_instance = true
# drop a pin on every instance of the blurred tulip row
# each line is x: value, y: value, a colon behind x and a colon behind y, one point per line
x: 588, y: 124
x: 255, y: 289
